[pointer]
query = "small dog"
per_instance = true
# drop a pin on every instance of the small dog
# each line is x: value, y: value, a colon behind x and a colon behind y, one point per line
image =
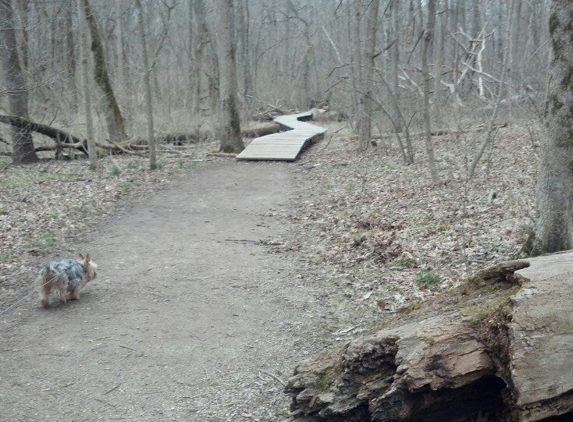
x: 67, y: 276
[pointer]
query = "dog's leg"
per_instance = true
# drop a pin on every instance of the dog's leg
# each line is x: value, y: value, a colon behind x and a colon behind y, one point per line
x: 44, y: 295
x: 75, y: 294
x: 61, y: 295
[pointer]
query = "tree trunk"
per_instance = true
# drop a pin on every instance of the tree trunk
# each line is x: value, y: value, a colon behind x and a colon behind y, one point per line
x: 244, y: 34
x: 365, y: 125
x: 24, y: 48
x: 230, y: 123
x: 428, y: 34
x: 441, y: 53
x: 70, y: 49
x: 83, y: 40
x: 121, y: 64
x: 22, y: 141
x: 554, y: 229
x: 476, y: 18
x: 396, y: 64
x: 198, y: 67
x: 113, y: 117
x: 147, y: 84
x: 516, y: 44
x: 357, y: 62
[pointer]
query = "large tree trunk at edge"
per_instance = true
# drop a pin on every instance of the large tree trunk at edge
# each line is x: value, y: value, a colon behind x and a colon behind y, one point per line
x: 22, y: 142
x: 230, y: 122
x: 113, y: 117
x: 554, y: 229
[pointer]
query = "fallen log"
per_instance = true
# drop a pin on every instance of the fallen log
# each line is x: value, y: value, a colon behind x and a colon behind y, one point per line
x: 66, y: 140
x: 256, y: 132
x: 60, y: 136
x: 497, y: 348
x: 177, y: 138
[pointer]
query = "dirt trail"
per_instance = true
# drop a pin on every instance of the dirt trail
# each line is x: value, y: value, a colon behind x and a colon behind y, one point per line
x: 188, y: 316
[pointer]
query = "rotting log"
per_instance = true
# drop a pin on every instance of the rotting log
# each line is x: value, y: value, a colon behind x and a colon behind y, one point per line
x: 499, y: 347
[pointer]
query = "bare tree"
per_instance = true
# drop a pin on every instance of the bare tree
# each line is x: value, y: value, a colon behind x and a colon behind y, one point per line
x: 22, y: 142
x: 199, y: 66
x: 396, y: 63
x: 491, y: 124
x: 147, y: 84
x: 441, y: 50
x: 365, y: 125
x: 243, y: 30
x: 554, y: 229
x: 113, y: 117
x: 357, y: 60
x: 306, y: 92
x: 230, y: 124
x: 83, y: 39
x: 284, y: 57
x: 120, y: 43
x: 428, y: 34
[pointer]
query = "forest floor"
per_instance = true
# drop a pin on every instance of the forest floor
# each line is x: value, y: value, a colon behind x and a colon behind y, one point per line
x: 216, y: 277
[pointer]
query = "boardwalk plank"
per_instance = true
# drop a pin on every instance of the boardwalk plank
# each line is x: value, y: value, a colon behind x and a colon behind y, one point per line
x: 283, y: 146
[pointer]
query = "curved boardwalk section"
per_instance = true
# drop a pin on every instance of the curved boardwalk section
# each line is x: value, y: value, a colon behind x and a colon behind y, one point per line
x: 283, y: 146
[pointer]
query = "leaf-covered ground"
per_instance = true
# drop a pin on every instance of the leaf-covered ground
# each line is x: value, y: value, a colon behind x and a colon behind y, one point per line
x: 388, y: 237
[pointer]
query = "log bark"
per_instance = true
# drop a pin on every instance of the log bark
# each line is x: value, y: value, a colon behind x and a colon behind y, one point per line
x: 498, y: 348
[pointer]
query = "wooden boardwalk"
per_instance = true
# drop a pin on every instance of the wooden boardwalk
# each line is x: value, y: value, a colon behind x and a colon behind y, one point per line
x: 283, y: 146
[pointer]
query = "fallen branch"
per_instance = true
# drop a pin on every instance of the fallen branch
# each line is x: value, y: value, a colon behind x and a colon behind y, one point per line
x: 112, y: 389
x: 118, y: 147
x: 442, y: 132
x: 273, y: 376
x: 273, y: 107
